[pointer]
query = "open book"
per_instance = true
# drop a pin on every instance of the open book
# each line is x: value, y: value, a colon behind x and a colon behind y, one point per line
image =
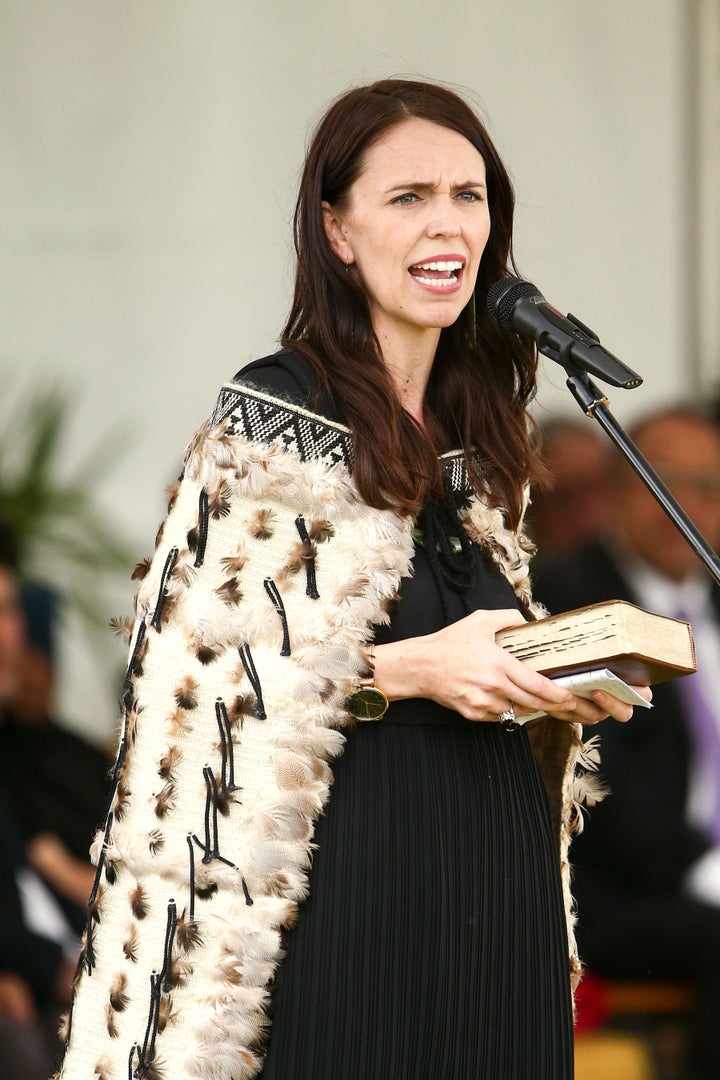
x: 638, y: 646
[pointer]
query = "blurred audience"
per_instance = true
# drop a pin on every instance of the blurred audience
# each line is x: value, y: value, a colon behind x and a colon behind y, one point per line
x: 54, y: 782
x: 575, y: 508
x: 647, y: 865
x: 52, y: 791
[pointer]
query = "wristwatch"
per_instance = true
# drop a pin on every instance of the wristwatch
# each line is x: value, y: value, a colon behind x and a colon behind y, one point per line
x: 368, y: 702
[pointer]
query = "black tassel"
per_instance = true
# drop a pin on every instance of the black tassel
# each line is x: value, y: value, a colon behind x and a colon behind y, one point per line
x: 309, y: 558
x: 167, y: 951
x: 227, y: 749
x: 202, y: 528
x: 272, y: 590
x: 168, y: 568
x: 191, y: 852
x: 251, y: 672
x: 211, y: 819
x: 134, y: 668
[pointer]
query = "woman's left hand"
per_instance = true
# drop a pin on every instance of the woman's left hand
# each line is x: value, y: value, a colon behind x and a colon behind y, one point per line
x: 600, y: 705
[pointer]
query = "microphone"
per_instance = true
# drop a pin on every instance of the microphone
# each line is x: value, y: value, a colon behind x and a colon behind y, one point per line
x: 518, y: 305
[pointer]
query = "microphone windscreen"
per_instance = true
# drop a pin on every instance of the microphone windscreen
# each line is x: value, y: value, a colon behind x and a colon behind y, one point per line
x: 504, y: 295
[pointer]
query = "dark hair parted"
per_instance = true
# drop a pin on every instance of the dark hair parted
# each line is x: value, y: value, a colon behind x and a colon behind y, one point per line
x: 482, y: 379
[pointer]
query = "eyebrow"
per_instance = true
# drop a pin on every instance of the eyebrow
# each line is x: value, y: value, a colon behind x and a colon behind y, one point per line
x: 429, y: 185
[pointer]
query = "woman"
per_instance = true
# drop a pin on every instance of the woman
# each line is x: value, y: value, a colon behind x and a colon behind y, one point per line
x: 350, y: 516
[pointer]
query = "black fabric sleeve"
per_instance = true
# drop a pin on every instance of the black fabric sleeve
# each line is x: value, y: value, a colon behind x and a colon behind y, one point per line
x: 289, y: 375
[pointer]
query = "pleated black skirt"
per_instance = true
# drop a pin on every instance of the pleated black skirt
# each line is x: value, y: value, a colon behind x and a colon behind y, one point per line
x: 433, y: 945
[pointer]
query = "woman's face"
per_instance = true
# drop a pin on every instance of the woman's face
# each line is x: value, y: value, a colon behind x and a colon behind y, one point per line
x: 415, y: 227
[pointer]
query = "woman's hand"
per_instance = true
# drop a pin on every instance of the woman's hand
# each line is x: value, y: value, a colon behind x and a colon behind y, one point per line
x: 602, y: 705
x: 463, y: 669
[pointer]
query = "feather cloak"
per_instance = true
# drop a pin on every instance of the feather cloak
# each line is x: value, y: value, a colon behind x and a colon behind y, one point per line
x: 252, y: 622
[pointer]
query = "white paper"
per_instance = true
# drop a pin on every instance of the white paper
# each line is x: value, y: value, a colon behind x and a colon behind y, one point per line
x: 583, y: 682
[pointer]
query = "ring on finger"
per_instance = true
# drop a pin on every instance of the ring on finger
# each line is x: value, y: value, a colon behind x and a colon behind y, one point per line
x: 507, y: 718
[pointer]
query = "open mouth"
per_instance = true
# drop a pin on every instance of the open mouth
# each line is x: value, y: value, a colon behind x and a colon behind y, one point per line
x: 438, y: 274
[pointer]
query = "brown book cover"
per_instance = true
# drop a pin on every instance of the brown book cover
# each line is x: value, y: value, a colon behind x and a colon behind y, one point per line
x: 638, y: 646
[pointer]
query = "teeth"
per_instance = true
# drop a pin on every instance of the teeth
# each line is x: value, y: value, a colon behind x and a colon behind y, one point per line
x: 442, y: 283
x: 439, y: 266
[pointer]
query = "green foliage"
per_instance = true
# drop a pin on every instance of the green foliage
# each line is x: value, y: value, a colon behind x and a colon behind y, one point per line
x: 62, y: 538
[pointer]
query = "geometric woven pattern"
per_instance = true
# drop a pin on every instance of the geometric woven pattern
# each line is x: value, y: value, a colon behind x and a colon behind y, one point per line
x: 264, y: 419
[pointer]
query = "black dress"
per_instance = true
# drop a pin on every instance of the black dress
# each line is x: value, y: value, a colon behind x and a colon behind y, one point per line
x: 433, y: 944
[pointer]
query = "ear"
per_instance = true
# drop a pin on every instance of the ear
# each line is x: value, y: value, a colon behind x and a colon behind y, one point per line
x: 336, y: 233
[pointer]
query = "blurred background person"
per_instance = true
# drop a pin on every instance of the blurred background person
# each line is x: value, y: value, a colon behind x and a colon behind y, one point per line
x: 647, y: 865
x: 51, y: 790
x: 573, y: 509
x: 54, y: 782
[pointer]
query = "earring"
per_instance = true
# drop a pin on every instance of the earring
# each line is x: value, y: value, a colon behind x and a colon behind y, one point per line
x: 473, y: 319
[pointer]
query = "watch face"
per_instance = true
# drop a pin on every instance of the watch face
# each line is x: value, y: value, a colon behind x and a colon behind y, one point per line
x: 368, y: 703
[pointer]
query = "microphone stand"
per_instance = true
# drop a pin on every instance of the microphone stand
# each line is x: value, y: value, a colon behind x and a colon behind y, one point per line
x: 594, y: 404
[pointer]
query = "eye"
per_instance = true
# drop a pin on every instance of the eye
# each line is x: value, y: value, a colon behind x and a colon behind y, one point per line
x: 471, y: 196
x: 405, y: 200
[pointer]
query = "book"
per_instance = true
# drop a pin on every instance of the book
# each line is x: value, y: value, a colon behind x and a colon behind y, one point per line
x: 638, y: 646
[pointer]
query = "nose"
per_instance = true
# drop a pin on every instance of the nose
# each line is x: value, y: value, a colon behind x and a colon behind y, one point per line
x: 444, y: 220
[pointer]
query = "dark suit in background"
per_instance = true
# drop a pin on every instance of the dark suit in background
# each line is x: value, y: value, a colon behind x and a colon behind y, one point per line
x: 637, y: 914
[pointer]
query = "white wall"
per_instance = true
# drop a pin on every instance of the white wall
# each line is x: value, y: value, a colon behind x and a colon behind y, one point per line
x: 150, y: 151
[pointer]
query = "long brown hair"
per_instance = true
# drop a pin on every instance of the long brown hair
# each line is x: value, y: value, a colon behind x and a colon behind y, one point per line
x: 482, y: 378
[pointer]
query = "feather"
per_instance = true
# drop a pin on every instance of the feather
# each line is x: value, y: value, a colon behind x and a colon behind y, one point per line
x: 188, y: 933
x: 192, y: 539
x: 94, y: 907
x: 165, y: 800
x: 110, y: 1021
x: 141, y: 570
x: 225, y: 802
x: 243, y: 705
x: 130, y: 945
x: 120, y: 798
x: 180, y: 971
x: 589, y: 755
x: 219, y: 501
x: 353, y: 587
x: 122, y: 627
x: 139, y: 902
x: 118, y: 997
x: 294, y: 562
x: 172, y: 493
x: 185, y: 573
x: 169, y: 762
x: 103, y: 1069
x: 159, y: 534
x: 80, y: 967
x: 156, y: 842
x: 235, y: 563
x: 63, y: 1030
x: 110, y: 872
x: 152, y: 1071
x: 186, y: 693
x: 230, y: 592
x: 169, y: 602
x: 206, y: 654
x: 320, y: 530
x: 179, y: 724
x: 131, y: 719
x: 260, y: 525
x: 205, y: 889
x: 165, y: 1012
x: 97, y: 846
